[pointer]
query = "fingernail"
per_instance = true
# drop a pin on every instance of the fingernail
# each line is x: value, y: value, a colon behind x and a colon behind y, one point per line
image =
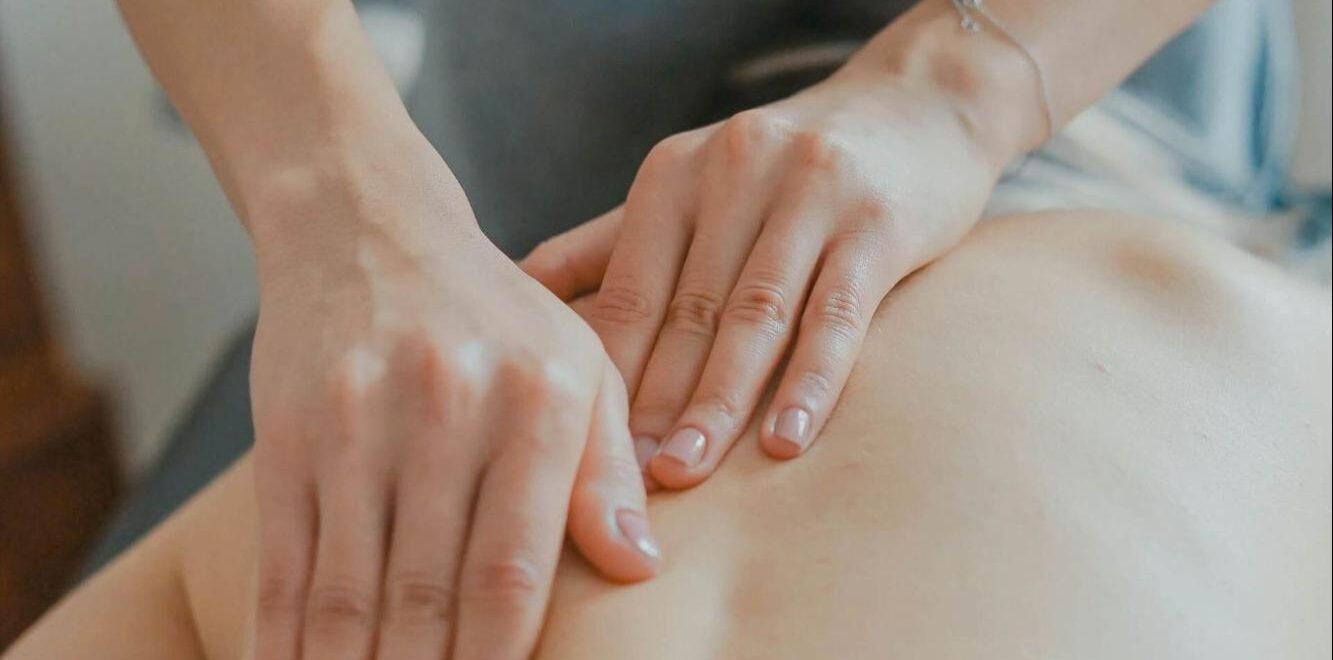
x: 634, y: 527
x: 685, y: 446
x: 793, y: 426
x: 645, y: 447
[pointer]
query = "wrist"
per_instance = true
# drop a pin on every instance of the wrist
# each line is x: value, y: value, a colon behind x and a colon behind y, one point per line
x: 990, y: 84
x: 266, y: 177
x: 388, y: 184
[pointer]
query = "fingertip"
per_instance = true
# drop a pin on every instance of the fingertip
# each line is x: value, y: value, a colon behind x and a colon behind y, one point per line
x: 788, y: 432
x: 688, y: 457
x: 633, y: 529
x: 617, y: 541
x: 670, y: 473
x: 606, y: 509
x: 780, y: 448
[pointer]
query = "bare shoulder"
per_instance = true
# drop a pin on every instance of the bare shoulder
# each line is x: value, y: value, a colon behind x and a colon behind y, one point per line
x: 218, y: 535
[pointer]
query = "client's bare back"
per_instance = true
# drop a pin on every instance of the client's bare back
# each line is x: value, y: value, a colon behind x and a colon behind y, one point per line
x: 1076, y: 436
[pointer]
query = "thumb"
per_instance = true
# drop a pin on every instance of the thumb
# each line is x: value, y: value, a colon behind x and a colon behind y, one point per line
x: 573, y: 263
x: 608, y: 519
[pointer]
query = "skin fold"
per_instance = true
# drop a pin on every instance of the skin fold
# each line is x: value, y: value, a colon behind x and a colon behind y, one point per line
x: 1077, y: 435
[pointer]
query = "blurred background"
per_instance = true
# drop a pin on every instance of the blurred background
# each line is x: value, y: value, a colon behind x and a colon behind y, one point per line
x: 124, y: 275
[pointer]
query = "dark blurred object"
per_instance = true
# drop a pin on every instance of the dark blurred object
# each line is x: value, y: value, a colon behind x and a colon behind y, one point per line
x: 215, y: 431
x: 58, y: 473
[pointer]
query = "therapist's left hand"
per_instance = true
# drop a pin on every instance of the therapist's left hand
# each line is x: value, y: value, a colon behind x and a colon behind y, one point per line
x: 787, y: 224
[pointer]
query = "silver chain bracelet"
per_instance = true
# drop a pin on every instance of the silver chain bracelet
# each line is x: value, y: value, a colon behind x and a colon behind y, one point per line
x: 967, y: 12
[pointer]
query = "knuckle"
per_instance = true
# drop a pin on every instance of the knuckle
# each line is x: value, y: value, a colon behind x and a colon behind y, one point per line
x: 858, y: 244
x: 558, y: 387
x: 539, y: 380
x: 815, y: 382
x: 875, y: 226
x: 349, y: 381
x: 517, y: 375
x: 540, y: 388
x: 418, y: 598
x: 520, y: 382
x: 436, y: 382
x: 875, y: 210
x: 511, y: 581
x: 817, y: 151
x: 840, y: 312
x: 433, y: 370
x: 666, y: 156
x: 340, y: 606
x: 748, y: 133
x: 694, y: 312
x: 622, y: 304
x: 345, y: 390
x: 720, y: 404
x: 279, y: 594
x: 761, y: 303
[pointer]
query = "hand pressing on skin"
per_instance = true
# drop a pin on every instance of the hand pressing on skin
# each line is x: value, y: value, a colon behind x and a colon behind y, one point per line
x: 776, y: 232
x: 426, y: 415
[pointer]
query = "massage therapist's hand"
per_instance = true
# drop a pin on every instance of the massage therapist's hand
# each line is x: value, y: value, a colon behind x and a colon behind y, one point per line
x: 781, y: 228
x: 426, y: 416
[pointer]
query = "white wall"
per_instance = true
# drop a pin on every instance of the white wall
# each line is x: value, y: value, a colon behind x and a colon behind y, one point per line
x: 1312, y: 160
x: 147, y: 270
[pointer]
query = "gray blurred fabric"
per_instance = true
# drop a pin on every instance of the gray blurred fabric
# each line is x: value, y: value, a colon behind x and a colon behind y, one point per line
x: 545, y: 108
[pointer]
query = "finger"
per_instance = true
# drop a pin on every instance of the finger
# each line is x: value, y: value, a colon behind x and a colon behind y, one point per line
x: 757, y: 326
x: 645, y: 448
x: 434, y: 500
x: 646, y: 261
x: 519, y: 525
x: 608, y: 518
x: 342, y: 603
x: 287, y: 528
x: 833, y: 328
x: 573, y: 263
x: 736, y: 190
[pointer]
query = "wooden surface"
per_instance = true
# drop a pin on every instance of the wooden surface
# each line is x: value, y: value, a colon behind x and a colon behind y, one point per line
x: 58, y: 474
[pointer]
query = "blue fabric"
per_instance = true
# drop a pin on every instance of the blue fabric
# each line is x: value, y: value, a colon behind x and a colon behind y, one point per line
x: 1228, y: 85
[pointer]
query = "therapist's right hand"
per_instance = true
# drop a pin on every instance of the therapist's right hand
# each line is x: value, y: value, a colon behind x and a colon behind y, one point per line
x: 429, y: 423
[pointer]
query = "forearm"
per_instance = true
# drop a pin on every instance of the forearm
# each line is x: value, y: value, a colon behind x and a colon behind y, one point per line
x: 1084, y: 48
x: 275, y: 90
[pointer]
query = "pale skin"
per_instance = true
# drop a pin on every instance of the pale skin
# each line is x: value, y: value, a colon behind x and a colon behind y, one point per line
x: 783, y: 227
x: 1079, y: 435
x: 394, y: 483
